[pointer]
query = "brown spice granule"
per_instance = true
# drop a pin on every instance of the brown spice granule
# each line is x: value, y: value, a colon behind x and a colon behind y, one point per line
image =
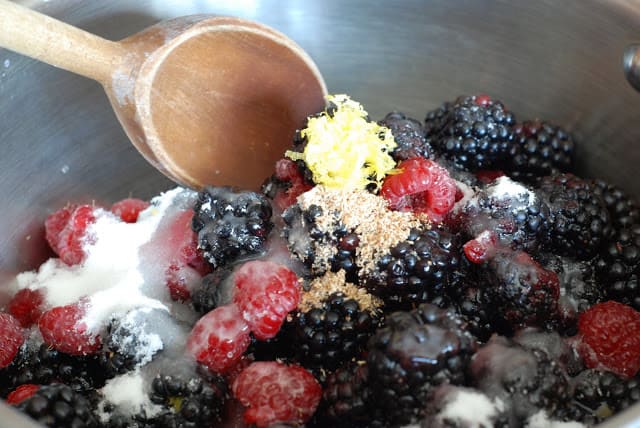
x: 323, y: 287
x: 368, y: 215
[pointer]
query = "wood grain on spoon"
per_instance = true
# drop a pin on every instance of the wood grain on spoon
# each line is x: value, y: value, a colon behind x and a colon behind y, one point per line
x: 207, y: 100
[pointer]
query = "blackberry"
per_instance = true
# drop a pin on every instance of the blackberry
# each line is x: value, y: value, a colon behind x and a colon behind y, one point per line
x: 231, y: 224
x: 598, y: 395
x: 623, y: 210
x: 212, y: 291
x: 559, y: 348
x: 520, y: 291
x: 188, y: 401
x: 579, y: 288
x: 618, y: 267
x: 43, y: 365
x: 306, y: 240
x: 58, y: 405
x: 413, y: 353
x: 474, y: 132
x: 128, y: 343
x: 410, y: 136
x: 346, y: 399
x: 581, y: 221
x: 516, y: 213
x: 525, y: 380
x: 420, y: 269
x: 540, y: 149
x: 331, y: 329
x: 474, y: 308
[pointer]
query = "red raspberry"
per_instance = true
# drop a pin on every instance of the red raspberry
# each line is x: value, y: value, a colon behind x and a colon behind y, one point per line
x: 219, y: 338
x: 610, y: 334
x: 288, y: 172
x: 128, y: 209
x: 12, y: 337
x: 186, y: 264
x: 275, y: 393
x: 21, y: 393
x: 422, y: 186
x: 55, y: 224
x: 181, y: 280
x: 26, y: 306
x: 489, y: 175
x: 62, y: 328
x: 482, y: 248
x: 73, y: 236
x: 265, y: 292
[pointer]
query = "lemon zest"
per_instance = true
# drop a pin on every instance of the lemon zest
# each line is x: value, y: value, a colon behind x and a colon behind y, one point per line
x: 344, y: 149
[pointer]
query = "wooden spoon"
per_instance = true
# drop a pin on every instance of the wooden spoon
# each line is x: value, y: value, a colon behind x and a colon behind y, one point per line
x: 206, y: 100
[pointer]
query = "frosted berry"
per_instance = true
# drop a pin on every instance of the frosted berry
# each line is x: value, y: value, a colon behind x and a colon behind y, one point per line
x: 55, y: 224
x: 11, y: 338
x: 129, y: 209
x: 187, y: 266
x: 219, y: 338
x: 65, y: 230
x: 276, y: 393
x: 26, y: 306
x: 63, y: 329
x: 265, y: 292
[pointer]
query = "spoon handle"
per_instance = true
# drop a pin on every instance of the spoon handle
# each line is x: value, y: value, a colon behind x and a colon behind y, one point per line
x: 48, y: 40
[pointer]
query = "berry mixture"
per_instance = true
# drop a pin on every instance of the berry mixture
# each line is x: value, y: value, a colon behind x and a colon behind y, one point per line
x: 451, y: 272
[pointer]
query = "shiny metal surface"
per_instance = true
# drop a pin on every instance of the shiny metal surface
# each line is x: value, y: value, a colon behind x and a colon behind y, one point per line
x: 548, y: 59
x: 631, y: 63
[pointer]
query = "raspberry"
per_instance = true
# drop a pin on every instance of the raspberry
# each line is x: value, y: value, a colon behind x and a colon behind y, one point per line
x: 611, y: 338
x: 186, y: 266
x: 275, y: 393
x: 72, y: 237
x: 219, y: 338
x: 184, y: 243
x: 487, y: 176
x: 265, y: 292
x: 21, y: 393
x: 482, y: 248
x: 422, y: 186
x: 26, y: 306
x: 129, y: 209
x: 11, y: 338
x: 62, y: 328
x: 287, y: 184
x: 55, y: 224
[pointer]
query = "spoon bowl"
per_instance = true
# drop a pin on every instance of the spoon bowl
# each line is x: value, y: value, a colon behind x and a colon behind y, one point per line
x: 205, y: 99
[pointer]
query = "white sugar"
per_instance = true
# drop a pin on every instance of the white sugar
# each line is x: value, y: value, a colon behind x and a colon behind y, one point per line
x: 129, y: 394
x: 134, y: 338
x: 111, y: 275
x: 541, y: 420
x: 470, y: 408
x: 504, y: 187
x: 467, y: 195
